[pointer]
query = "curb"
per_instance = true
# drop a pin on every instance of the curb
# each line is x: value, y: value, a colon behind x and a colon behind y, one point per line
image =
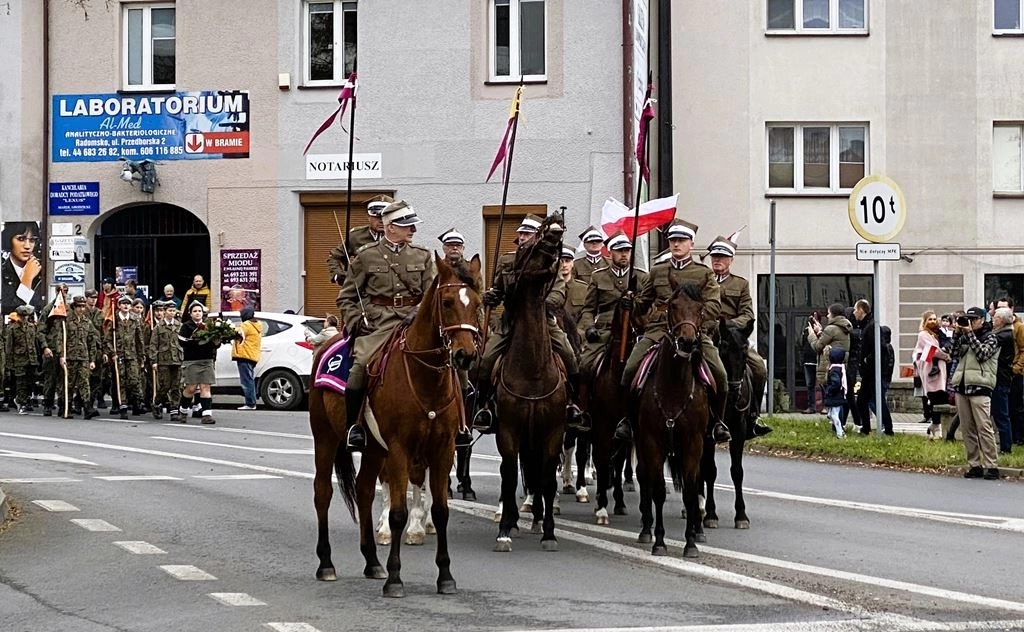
x: 4, y: 507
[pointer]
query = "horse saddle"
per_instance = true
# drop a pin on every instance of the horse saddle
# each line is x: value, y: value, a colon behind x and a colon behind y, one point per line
x: 704, y: 374
x: 378, y: 362
x: 335, y: 363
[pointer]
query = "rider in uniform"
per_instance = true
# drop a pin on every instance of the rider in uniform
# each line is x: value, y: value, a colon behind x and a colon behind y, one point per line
x: 337, y: 261
x: 575, y: 289
x: 497, y: 340
x: 657, y: 290
x: 454, y: 246
x: 386, y: 282
x: 738, y: 308
x: 593, y: 240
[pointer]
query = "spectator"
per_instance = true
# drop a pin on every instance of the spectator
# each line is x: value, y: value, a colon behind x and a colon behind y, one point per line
x: 198, y: 292
x: 860, y: 320
x: 810, y: 364
x: 1002, y: 327
x: 927, y: 351
x: 245, y: 351
x: 834, y: 389
x: 976, y: 350
x: 866, y: 395
x: 329, y: 331
x: 132, y: 291
x: 108, y: 293
x: 169, y: 296
x: 836, y: 333
x: 1017, y: 381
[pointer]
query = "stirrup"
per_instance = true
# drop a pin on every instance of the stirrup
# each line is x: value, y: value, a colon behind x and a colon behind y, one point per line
x: 464, y: 439
x: 355, y: 441
x: 624, y: 430
x: 580, y: 422
x: 720, y: 432
x: 483, y: 421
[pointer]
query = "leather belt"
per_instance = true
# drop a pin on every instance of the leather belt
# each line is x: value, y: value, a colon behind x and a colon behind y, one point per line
x: 396, y: 301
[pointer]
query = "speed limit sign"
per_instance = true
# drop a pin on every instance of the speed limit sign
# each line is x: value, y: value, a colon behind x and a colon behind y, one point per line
x: 877, y: 209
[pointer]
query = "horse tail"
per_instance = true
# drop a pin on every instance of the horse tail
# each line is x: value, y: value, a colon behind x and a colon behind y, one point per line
x: 345, y: 471
x: 675, y: 467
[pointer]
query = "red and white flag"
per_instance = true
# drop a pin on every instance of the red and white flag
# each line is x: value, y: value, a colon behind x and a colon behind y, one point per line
x: 616, y: 216
x: 347, y: 94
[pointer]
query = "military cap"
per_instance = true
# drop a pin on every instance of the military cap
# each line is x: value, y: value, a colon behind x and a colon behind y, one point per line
x: 618, y: 241
x: 722, y: 246
x: 124, y: 299
x: 452, y: 236
x: 377, y: 204
x: 400, y: 214
x: 531, y: 224
x: 681, y: 229
x: 78, y: 301
x: 592, y: 233
x: 91, y: 293
x: 159, y: 304
x: 568, y: 252
x: 25, y: 310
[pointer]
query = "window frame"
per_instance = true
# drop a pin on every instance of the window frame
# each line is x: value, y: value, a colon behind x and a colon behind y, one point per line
x: 1019, y: 126
x: 798, y: 187
x: 514, y: 52
x: 1020, y: 21
x: 833, y: 20
x: 339, y: 43
x: 147, y: 84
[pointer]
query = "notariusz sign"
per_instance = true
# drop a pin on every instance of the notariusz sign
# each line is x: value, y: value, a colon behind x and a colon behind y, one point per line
x: 335, y: 166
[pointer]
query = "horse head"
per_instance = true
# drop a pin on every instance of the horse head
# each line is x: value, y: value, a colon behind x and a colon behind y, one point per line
x: 733, y: 348
x: 536, y: 258
x: 457, y: 305
x: 685, y: 313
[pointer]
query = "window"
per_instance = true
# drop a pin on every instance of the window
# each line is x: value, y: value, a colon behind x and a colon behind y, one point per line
x: 816, y: 158
x: 148, y: 46
x: 518, y: 40
x: 999, y: 285
x: 329, y: 40
x: 1007, y: 17
x: 818, y: 16
x: 1006, y: 158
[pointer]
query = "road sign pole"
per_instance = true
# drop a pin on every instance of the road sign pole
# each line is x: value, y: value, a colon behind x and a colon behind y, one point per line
x: 878, y: 348
x: 771, y: 313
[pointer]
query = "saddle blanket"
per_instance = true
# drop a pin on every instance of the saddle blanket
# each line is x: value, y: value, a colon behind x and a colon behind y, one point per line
x: 334, y: 367
x: 647, y: 363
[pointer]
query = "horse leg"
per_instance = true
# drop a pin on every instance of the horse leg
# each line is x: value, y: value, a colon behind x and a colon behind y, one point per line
x: 736, y: 469
x: 658, y: 494
x: 439, y: 514
x: 509, y: 512
x: 647, y: 483
x: 397, y: 518
x: 568, y: 447
x: 616, y: 474
x: 366, y: 484
x: 383, y: 533
x: 464, y: 455
x: 416, y: 534
x: 627, y: 473
x: 582, y: 458
x: 602, y: 463
x: 691, y: 481
x: 428, y: 502
x: 323, y: 490
x: 709, y: 474
x: 549, y: 490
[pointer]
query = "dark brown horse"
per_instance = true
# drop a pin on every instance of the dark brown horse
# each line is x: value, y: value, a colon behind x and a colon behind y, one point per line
x: 418, y: 409
x: 672, y: 420
x: 530, y: 389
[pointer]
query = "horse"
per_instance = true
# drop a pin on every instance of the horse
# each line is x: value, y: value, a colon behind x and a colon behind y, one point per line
x: 413, y: 413
x: 672, y: 418
x: 577, y: 443
x: 733, y: 349
x: 531, y: 390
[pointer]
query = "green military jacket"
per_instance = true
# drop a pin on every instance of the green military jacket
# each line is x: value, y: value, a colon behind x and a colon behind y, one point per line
x: 388, y: 282
x: 83, y: 344
x: 575, y: 299
x: 583, y: 268
x: 23, y: 342
x: 129, y: 338
x: 656, y: 290
x: 605, y: 289
x: 164, y: 345
x: 147, y: 333
x: 357, y: 238
x: 95, y: 315
x: 737, y: 305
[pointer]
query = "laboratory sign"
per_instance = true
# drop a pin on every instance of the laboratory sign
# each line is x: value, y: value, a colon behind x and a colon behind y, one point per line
x: 177, y: 126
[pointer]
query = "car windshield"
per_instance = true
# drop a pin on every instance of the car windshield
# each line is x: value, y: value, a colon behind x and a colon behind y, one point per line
x: 315, y: 326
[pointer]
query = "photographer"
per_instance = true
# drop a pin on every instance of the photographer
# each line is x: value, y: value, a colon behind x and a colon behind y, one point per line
x: 835, y: 333
x: 976, y: 348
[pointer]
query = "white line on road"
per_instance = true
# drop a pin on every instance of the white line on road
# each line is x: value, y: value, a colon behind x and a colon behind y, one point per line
x: 877, y: 624
x: 53, y: 479
x: 237, y: 599
x: 187, y: 573
x: 94, y: 524
x: 308, y: 451
x: 138, y: 547
x: 265, y: 433
x: 292, y: 627
x: 55, y: 505
x: 236, y: 477
x: 44, y: 456
x: 139, y: 477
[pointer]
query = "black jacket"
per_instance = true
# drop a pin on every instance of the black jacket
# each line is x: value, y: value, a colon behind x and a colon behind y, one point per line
x: 191, y: 348
x: 1007, y: 350
x: 867, y: 353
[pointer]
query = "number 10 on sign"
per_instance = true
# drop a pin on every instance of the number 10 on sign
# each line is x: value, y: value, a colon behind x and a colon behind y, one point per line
x: 877, y: 209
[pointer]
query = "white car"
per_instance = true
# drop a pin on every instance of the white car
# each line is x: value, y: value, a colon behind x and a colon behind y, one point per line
x: 286, y: 360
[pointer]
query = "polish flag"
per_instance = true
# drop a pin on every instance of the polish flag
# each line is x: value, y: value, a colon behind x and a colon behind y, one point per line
x: 616, y: 216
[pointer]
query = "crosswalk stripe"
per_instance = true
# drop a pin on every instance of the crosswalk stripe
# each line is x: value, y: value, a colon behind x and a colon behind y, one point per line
x: 94, y: 524
x: 186, y: 572
x: 292, y: 627
x: 55, y: 505
x: 236, y: 477
x: 138, y: 477
x: 139, y: 547
x: 237, y: 599
x: 54, y: 479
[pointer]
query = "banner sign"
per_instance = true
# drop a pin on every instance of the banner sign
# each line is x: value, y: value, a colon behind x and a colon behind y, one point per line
x: 335, y: 166
x: 74, y: 198
x: 239, y: 280
x: 69, y: 272
x: 176, y: 126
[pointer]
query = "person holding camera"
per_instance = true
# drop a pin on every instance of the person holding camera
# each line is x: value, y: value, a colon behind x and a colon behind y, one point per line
x: 976, y: 348
x: 835, y: 333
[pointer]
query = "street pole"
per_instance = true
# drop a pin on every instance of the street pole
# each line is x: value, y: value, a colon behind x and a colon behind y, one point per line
x: 878, y: 348
x: 771, y: 312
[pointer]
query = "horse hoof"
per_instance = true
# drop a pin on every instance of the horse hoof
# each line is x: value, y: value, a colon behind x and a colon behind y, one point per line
x: 621, y: 511
x: 431, y: 529
x: 556, y: 510
x: 383, y: 540
x: 602, y: 516
x: 711, y: 523
x: 446, y: 587
x: 503, y: 545
x: 690, y: 551
x: 700, y: 537
x: 327, y: 575
x: 742, y: 524
x: 415, y: 539
x: 628, y: 487
x: 395, y: 590
x: 526, y: 508
x: 497, y: 517
x: 469, y: 495
x: 644, y: 538
x: 582, y: 496
x: 659, y: 550
x: 682, y: 513
x: 536, y: 527
x: 568, y: 489
x: 549, y: 545
x: 375, y: 572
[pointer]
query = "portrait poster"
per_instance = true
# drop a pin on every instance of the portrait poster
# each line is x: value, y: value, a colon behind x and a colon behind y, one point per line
x: 21, y: 266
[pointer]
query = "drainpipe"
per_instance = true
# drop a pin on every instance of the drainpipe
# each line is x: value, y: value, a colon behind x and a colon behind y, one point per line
x: 627, y: 100
x: 44, y: 229
x: 665, y: 179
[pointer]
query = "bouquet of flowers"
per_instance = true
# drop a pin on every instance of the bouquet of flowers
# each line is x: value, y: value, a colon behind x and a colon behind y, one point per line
x: 214, y: 330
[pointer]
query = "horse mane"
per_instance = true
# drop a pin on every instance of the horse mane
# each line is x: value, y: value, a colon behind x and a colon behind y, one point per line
x: 690, y: 289
x: 462, y: 272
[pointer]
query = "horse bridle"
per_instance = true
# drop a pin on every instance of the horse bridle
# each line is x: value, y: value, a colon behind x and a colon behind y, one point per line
x: 675, y: 331
x: 444, y: 333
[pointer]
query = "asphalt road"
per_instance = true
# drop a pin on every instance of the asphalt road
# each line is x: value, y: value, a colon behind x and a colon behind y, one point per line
x: 831, y: 548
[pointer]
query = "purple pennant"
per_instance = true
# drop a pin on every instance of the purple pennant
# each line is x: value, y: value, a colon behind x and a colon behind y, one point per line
x: 348, y: 93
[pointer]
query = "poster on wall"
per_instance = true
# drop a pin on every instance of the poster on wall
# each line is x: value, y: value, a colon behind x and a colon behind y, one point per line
x: 123, y: 274
x: 177, y: 126
x: 21, y: 266
x: 240, y: 280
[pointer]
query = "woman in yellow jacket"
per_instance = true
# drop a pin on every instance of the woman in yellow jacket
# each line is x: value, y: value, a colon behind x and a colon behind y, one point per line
x: 245, y: 351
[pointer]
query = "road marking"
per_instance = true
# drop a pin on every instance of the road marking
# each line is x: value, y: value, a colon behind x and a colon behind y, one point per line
x: 140, y: 477
x: 139, y: 547
x: 265, y: 433
x: 875, y: 624
x: 237, y: 477
x: 237, y: 599
x: 94, y: 524
x: 44, y: 456
x: 308, y: 451
x: 55, y: 479
x: 187, y: 573
x: 292, y: 627
x: 55, y: 505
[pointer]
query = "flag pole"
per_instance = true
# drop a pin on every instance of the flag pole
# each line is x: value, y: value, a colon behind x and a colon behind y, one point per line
x: 348, y: 187
x: 64, y: 360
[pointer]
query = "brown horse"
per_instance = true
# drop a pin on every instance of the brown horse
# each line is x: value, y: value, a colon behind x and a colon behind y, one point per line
x: 417, y: 405
x: 531, y: 393
x: 672, y: 420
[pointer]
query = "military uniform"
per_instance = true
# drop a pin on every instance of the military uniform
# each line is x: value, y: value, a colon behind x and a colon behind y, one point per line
x: 338, y: 259
x: 165, y: 351
x: 97, y: 377
x: 83, y: 345
x: 127, y: 333
x: 146, y: 382
x: 584, y: 267
x: 49, y: 369
x: 738, y: 307
x: 607, y: 286
x: 23, y: 340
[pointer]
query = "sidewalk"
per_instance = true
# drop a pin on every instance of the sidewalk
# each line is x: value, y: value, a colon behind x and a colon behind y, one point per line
x: 901, y: 422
